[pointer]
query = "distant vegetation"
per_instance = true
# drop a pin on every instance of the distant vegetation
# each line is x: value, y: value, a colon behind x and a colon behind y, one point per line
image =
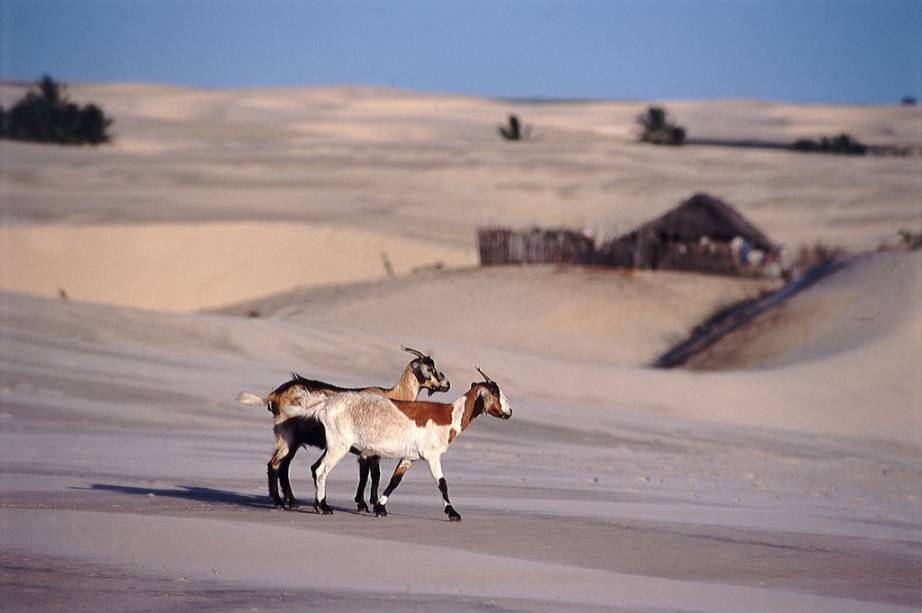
x: 46, y: 115
x: 843, y: 144
x: 905, y: 240
x: 908, y: 101
x: 909, y: 240
x: 811, y: 258
x: 514, y: 130
x: 657, y: 129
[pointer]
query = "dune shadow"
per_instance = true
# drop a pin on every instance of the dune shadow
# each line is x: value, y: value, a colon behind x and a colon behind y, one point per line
x: 188, y: 492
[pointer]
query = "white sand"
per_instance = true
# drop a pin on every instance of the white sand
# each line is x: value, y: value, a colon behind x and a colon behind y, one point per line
x: 601, y: 317
x: 125, y: 457
x: 188, y: 266
x: 849, y: 370
x: 131, y: 480
x: 432, y: 166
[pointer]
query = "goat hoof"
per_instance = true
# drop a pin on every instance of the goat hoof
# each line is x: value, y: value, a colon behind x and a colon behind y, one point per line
x: 323, y: 508
x: 380, y: 510
x: 452, y: 514
x: 293, y: 504
x: 362, y: 506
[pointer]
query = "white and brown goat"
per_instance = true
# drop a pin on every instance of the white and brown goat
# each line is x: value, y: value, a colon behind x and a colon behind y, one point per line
x: 374, y: 426
x: 293, y: 429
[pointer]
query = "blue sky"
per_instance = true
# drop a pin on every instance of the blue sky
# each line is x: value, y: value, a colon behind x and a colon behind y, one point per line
x: 805, y: 51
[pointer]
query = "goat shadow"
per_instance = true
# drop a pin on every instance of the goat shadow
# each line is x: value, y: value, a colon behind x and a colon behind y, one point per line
x: 187, y: 492
x: 207, y: 494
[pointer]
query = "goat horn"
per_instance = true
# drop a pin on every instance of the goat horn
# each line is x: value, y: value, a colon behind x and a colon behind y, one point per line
x: 484, y: 375
x: 418, y: 354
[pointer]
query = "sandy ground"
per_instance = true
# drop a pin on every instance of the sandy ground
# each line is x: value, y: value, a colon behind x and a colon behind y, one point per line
x: 845, y: 363
x: 184, y: 267
x: 781, y: 474
x: 870, y: 309
x: 600, y: 317
x: 128, y: 468
x: 423, y: 166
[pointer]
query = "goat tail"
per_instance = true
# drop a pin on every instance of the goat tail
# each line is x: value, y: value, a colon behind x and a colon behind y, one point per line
x: 258, y: 401
x: 251, y: 399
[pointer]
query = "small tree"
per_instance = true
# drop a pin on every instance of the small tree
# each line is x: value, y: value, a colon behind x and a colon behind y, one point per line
x: 93, y: 125
x: 657, y: 129
x: 842, y: 144
x: 515, y: 130
x: 46, y: 115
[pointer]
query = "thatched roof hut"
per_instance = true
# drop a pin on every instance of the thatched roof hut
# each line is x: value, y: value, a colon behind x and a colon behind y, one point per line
x: 702, y: 233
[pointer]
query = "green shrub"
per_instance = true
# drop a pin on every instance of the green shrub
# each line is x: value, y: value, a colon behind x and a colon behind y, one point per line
x: 843, y: 144
x: 515, y: 130
x: 657, y: 129
x: 46, y: 115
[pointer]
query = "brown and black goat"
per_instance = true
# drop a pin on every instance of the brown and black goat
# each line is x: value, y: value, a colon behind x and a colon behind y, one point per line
x: 292, y: 429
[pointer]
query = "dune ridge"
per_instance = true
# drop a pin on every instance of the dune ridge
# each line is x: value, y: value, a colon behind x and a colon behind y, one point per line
x: 432, y: 166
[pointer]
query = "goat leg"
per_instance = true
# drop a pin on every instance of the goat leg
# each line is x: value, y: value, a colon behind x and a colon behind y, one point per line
x: 449, y: 510
x: 364, y: 465
x: 322, y: 507
x: 375, y: 466
x: 381, y: 504
x: 328, y: 460
x: 272, y: 469
x: 285, y: 479
x: 316, y: 465
x: 435, y: 467
x: 273, y: 476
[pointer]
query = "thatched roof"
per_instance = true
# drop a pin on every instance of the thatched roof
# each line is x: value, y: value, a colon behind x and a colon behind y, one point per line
x: 702, y: 215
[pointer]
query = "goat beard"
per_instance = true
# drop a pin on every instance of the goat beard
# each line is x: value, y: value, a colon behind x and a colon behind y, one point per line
x: 431, y: 391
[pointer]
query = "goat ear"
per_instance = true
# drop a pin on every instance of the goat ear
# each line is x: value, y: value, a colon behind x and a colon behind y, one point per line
x: 480, y: 404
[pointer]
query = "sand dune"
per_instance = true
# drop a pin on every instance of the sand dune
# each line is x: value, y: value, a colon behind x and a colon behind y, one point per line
x: 874, y: 304
x: 605, y: 317
x: 447, y: 114
x: 131, y: 479
x: 194, y: 266
x: 432, y: 166
x: 590, y: 341
x: 125, y: 456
